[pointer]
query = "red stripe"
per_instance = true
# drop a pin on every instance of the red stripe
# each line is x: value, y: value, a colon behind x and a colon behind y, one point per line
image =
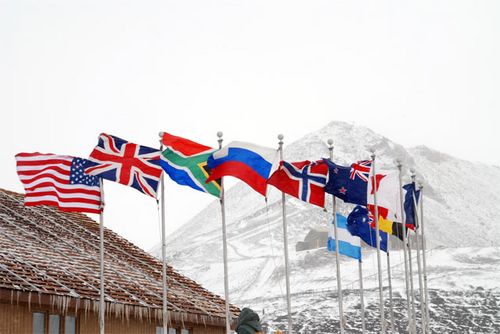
x: 242, y: 172
x: 74, y: 189
x: 72, y: 209
x: 63, y: 200
x: 34, y: 154
x: 41, y: 176
x: 36, y: 171
x: 44, y: 162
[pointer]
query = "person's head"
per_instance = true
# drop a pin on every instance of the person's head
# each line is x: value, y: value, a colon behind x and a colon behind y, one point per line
x: 248, y: 322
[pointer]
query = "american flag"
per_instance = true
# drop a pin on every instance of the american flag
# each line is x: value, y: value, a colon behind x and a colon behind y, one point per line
x: 127, y: 163
x: 58, y: 180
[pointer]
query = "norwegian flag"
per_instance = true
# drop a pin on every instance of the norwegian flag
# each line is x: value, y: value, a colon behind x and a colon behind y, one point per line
x: 127, y: 163
x: 361, y: 169
x: 304, y: 180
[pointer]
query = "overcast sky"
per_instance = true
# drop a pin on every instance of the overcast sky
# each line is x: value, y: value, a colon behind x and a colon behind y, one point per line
x: 418, y: 72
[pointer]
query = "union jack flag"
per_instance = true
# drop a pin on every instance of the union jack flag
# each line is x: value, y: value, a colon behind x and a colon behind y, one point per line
x: 361, y: 169
x: 127, y: 163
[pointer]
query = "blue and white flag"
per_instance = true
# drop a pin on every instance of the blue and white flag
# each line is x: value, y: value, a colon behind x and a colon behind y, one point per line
x: 349, y: 245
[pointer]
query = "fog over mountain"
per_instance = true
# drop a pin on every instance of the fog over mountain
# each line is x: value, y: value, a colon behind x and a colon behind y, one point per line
x: 461, y: 205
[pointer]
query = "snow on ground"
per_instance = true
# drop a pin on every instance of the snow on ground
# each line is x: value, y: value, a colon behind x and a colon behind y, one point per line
x: 461, y: 205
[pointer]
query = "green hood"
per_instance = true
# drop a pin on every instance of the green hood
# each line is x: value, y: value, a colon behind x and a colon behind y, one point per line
x: 248, y: 322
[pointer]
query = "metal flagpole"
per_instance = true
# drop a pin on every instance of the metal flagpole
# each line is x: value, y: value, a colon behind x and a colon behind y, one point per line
x: 163, y: 248
x: 412, y: 289
x: 379, y: 263
x: 363, y: 323
x: 337, y: 257
x: 224, y: 246
x: 417, y: 243
x: 390, y: 284
x: 403, y: 222
x: 101, y: 258
x: 422, y: 231
x: 285, y: 245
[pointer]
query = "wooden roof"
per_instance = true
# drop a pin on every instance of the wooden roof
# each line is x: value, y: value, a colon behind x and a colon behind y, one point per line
x: 55, y: 254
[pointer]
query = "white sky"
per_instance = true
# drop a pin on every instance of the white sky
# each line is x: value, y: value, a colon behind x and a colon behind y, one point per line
x: 419, y: 72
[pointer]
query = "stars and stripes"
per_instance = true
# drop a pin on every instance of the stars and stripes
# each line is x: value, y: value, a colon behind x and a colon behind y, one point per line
x: 58, y: 180
x: 127, y: 163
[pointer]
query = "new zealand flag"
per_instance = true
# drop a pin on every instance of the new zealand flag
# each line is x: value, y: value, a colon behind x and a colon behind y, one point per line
x: 349, y: 183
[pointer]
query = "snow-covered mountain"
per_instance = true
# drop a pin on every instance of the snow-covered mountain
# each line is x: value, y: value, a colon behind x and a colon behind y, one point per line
x: 461, y: 205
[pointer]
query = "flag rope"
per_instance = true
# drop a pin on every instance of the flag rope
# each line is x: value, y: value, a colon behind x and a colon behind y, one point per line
x: 285, y: 247
x: 272, y: 247
x: 377, y: 236
x: 337, y: 251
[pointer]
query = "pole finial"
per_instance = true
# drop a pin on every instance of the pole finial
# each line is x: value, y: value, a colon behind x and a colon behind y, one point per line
x: 280, y: 144
x: 330, y: 144
x: 412, y: 174
x: 161, y: 133
x: 399, y: 164
x: 219, y: 135
x: 372, y: 151
x: 330, y: 147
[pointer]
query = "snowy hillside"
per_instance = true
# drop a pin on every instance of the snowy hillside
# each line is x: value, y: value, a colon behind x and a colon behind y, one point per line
x: 461, y: 203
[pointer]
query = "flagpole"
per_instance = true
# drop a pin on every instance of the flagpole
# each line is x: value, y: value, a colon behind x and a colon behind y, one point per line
x: 224, y: 245
x: 427, y: 318
x: 379, y: 263
x: 285, y: 245
x: 412, y: 289
x: 101, y: 258
x: 337, y: 257
x: 362, y: 300
x: 163, y: 247
x: 390, y: 284
x: 403, y: 222
x: 417, y: 242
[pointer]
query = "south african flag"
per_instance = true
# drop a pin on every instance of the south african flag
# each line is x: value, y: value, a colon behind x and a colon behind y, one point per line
x: 185, y: 161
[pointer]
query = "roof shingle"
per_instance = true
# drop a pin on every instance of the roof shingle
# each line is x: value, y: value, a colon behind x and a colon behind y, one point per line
x: 46, y: 251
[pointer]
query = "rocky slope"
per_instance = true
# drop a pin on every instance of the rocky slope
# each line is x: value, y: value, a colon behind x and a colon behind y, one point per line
x: 461, y: 206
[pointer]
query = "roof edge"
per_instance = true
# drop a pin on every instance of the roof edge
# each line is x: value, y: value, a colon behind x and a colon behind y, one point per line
x: 66, y: 304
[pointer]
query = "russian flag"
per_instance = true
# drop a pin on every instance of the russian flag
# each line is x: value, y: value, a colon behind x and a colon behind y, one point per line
x: 349, y: 245
x: 248, y: 162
